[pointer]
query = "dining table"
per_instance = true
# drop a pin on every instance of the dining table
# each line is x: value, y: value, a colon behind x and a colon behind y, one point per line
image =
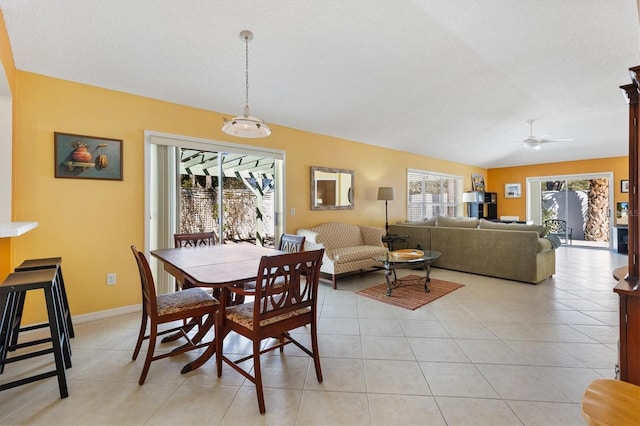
x: 216, y: 266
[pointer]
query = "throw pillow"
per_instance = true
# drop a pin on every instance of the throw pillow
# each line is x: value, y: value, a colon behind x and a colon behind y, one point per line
x: 426, y: 222
x: 487, y: 224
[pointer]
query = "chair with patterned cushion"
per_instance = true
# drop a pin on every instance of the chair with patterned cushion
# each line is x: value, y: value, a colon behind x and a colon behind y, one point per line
x: 197, y: 239
x: 166, y: 308
x: 192, y: 240
x: 286, y: 300
x: 291, y: 243
x: 288, y: 242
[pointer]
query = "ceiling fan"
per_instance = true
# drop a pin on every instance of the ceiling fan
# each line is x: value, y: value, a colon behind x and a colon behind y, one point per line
x: 534, y: 142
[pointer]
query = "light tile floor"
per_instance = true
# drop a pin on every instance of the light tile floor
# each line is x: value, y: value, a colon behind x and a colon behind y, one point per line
x: 494, y: 352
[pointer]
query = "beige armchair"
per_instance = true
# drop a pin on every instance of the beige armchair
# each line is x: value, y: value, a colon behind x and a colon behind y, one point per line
x: 347, y: 248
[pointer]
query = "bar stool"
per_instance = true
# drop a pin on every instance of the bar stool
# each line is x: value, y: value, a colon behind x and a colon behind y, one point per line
x: 46, y: 263
x: 15, y: 286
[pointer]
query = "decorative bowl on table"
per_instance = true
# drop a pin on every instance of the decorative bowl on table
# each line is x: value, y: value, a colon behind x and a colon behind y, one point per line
x: 407, y: 254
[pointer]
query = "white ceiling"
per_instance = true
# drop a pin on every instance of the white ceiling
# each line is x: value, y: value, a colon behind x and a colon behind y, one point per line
x: 450, y: 79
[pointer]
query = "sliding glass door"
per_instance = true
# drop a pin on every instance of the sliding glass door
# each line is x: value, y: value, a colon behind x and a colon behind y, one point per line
x: 230, y: 193
x: 581, y: 201
x: 193, y: 185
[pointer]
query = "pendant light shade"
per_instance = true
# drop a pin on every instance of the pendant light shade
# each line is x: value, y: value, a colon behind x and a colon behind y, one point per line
x: 246, y: 126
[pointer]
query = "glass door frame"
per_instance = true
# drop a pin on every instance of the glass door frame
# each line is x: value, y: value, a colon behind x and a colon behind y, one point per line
x: 533, y: 205
x: 170, y: 203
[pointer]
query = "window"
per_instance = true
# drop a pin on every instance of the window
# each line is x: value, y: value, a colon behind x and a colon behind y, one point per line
x: 432, y: 194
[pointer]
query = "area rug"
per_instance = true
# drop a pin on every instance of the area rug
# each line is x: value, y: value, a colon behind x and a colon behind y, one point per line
x: 410, y: 296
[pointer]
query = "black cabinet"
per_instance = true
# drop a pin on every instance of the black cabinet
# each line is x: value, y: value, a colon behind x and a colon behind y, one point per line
x: 490, y: 205
x: 483, y: 206
x: 621, y: 241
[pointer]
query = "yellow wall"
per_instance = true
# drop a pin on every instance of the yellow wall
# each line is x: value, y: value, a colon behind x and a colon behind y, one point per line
x: 518, y: 206
x: 6, y: 57
x: 92, y: 223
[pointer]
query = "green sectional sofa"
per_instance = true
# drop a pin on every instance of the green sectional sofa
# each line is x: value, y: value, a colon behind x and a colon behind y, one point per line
x: 512, y: 251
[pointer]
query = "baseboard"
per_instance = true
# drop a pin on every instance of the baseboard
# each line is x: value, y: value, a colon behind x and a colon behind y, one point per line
x: 94, y: 316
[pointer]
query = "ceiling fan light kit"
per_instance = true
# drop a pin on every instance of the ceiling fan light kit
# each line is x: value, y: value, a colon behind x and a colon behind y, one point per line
x: 535, y: 143
x: 531, y: 143
x: 246, y: 126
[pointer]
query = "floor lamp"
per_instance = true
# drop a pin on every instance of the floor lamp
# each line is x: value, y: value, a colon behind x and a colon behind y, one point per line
x: 387, y: 194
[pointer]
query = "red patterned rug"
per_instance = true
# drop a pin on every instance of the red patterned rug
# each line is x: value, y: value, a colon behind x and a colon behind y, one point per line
x: 411, y: 296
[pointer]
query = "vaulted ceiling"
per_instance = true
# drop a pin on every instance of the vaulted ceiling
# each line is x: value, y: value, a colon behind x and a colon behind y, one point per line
x: 450, y: 79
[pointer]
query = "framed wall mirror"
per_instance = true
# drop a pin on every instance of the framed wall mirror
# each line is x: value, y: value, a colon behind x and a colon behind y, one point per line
x: 331, y: 189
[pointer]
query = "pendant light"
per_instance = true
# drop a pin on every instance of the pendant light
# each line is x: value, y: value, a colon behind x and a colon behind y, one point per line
x: 246, y: 126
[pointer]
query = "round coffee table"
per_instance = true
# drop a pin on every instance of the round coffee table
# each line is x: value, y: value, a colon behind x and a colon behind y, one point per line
x: 391, y: 262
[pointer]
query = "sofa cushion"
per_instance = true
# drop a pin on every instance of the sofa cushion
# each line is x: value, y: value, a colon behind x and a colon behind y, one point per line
x: 456, y: 222
x: 431, y: 221
x: 487, y: 224
x: 428, y: 222
x: 351, y: 254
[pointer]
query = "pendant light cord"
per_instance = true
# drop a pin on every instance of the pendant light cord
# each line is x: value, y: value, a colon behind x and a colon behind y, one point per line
x: 246, y: 126
x: 246, y: 74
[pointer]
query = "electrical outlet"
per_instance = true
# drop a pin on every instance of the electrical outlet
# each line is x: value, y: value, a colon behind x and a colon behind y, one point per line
x: 111, y: 278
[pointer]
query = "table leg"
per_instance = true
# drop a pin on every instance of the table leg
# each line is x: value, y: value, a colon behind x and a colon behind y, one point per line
x: 387, y: 272
x: 209, y: 351
x: 427, y: 267
x: 390, y: 284
x: 186, y: 328
x: 203, y: 329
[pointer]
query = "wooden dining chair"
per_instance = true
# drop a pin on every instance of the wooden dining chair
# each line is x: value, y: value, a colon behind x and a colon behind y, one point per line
x: 198, y: 240
x: 192, y: 240
x: 286, y: 300
x: 291, y: 243
x: 160, y: 309
x: 288, y: 242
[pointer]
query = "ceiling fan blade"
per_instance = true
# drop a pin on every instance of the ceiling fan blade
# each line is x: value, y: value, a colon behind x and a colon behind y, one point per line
x: 555, y: 140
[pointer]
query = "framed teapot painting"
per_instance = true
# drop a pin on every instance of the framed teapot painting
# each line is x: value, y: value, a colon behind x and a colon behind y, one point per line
x: 87, y: 157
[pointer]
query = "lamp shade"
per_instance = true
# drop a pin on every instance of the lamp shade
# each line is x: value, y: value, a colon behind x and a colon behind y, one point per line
x: 386, y: 193
x: 246, y: 127
x: 469, y: 197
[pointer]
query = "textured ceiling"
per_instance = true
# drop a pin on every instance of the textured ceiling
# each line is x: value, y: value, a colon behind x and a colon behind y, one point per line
x: 450, y: 79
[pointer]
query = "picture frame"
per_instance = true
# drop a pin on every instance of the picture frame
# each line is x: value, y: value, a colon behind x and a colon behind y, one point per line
x: 622, y: 209
x: 512, y: 190
x: 477, y: 182
x: 87, y: 157
x: 624, y: 185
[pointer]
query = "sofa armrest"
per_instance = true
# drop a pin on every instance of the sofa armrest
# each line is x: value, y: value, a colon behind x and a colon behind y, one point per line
x: 371, y: 235
x: 310, y: 242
